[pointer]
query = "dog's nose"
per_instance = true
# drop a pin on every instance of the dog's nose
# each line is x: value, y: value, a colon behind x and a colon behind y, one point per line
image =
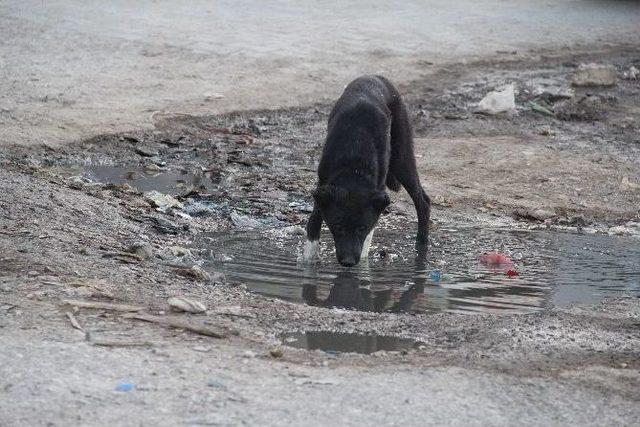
x: 348, y: 261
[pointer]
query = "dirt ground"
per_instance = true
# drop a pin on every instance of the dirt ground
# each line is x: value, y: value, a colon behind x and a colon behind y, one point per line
x: 64, y: 238
x: 72, y: 69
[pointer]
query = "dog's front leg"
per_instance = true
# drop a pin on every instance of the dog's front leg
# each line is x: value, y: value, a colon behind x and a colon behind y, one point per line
x: 364, y: 255
x: 312, y: 245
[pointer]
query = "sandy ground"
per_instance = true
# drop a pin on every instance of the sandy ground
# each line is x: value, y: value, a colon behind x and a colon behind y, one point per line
x: 77, y: 70
x: 63, y: 238
x: 72, y: 69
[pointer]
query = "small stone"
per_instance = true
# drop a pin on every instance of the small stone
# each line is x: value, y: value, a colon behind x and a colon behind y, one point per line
x: 216, y: 384
x: 276, y: 353
x: 162, y: 201
x: 142, y: 249
x: 179, y: 251
x: 212, y: 96
x: 146, y: 151
x: 632, y: 74
x: 153, y: 168
x: 594, y: 75
x: 196, y: 272
x: 187, y: 305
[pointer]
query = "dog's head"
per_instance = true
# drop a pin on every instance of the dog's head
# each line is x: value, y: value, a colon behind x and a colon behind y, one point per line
x: 350, y: 215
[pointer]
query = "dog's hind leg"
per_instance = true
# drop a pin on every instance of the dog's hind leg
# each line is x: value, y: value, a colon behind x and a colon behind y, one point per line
x: 392, y: 182
x: 312, y: 245
x: 403, y: 167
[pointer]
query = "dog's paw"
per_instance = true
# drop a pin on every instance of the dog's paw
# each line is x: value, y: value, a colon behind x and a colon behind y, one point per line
x: 311, y: 251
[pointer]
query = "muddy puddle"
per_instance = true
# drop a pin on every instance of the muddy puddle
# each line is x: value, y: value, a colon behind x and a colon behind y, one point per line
x: 551, y: 269
x: 169, y: 181
x: 339, y: 342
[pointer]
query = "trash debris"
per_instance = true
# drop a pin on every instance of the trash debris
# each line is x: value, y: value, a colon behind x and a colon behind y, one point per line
x: 594, y: 75
x: 495, y: 259
x: 498, y: 101
x: 632, y: 74
x: 102, y: 305
x: 213, y: 96
x: 435, y: 275
x: 185, y: 304
x: 584, y: 108
x: 533, y: 214
x: 512, y: 273
x: 244, y: 221
x: 125, y: 386
x: 195, y: 272
x: 216, y: 384
x: 165, y: 226
x: 276, y: 353
x: 73, y: 320
x: 540, y: 108
x: 110, y: 342
x: 162, y: 201
x: 142, y: 249
x: 210, y: 331
x: 146, y: 151
x: 126, y: 257
x: 627, y: 184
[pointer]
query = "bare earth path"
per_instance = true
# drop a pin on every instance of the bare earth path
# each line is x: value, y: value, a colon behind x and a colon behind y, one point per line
x: 72, y: 69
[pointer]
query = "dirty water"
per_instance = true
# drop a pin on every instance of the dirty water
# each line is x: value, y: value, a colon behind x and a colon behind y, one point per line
x: 164, y: 180
x: 340, y: 342
x: 551, y: 269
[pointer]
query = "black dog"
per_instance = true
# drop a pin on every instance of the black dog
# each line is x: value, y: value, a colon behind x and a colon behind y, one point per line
x: 368, y: 146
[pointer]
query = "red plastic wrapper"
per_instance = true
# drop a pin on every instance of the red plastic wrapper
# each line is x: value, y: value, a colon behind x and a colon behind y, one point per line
x: 496, y: 259
x: 512, y: 273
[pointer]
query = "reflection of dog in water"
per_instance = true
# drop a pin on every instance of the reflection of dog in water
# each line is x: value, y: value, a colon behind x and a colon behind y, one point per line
x: 350, y: 291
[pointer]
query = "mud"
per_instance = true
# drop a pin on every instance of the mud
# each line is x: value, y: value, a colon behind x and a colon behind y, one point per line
x: 69, y: 232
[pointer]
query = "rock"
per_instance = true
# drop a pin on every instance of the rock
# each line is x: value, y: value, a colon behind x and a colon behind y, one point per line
x: 185, y: 304
x: 196, y: 272
x: 213, y: 96
x: 179, y: 251
x: 632, y: 74
x: 142, y: 249
x: 534, y: 214
x: 78, y: 182
x: 165, y: 226
x: 276, y: 353
x: 594, y: 75
x: 586, y: 108
x: 198, y: 208
x: 499, y: 101
x: 162, y: 201
x: 152, y: 168
x: 626, y: 184
x: 146, y: 151
x: 244, y: 221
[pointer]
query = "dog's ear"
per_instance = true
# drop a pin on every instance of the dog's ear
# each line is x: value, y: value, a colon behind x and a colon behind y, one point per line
x: 380, y: 200
x: 324, y: 194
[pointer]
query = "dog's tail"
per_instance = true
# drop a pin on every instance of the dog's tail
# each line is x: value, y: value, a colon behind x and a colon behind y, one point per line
x: 392, y: 182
